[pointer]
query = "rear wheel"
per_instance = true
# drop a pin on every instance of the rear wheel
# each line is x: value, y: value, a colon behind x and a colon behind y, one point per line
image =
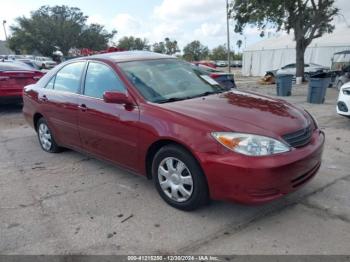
x: 46, y: 139
x: 179, y: 178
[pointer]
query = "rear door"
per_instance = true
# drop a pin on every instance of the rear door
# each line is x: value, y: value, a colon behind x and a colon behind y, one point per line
x: 60, y: 103
x: 107, y: 130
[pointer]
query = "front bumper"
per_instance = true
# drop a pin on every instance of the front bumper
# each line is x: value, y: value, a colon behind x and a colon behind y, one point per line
x: 254, y: 180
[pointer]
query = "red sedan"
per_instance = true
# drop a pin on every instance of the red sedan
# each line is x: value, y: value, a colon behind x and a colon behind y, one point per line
x: 13, y: 77
x: 156, y: 116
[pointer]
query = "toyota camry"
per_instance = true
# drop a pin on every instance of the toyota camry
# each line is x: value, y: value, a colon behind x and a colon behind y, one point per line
x: 157, y: 116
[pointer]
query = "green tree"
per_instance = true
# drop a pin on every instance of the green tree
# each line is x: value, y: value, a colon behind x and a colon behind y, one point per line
x: 219, y: 53
x: 58, y: 26
x: 308, y: 19
x: 132, y: 43
x: 195, y: 51
x: 168, y: 47
x: 159, y: 48
x: 95, y: 37
x: 171, y: 47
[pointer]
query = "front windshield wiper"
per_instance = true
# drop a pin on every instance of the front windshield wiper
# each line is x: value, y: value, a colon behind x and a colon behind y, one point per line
x: 174, y: 99
x: 171, y: 99
x: 207, y: 93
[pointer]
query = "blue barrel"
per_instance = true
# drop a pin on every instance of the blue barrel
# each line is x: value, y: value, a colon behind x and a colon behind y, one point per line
x: 284, y: 84
x: 318, y: 84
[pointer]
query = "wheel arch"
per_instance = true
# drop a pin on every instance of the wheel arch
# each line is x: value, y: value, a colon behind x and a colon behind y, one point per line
x: 36, y: 118
x: 157, y: 145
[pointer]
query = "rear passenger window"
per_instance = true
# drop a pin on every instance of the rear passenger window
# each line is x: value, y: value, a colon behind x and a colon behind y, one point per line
x: 68, y: 78
x: 101, y: 78
x: 51, y: 83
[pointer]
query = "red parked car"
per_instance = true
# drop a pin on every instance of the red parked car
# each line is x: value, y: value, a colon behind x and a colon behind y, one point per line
x: 205, y: 63
x: 13, y: 77
x: 158, y: 117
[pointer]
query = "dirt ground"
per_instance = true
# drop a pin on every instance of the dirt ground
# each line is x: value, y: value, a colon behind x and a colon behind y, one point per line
x: 69, y: 203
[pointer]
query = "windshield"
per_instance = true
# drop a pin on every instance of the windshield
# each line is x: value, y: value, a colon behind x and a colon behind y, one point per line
x: 168, y: 80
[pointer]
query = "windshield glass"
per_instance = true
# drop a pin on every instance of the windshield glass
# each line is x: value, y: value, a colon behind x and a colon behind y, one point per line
x: 167, y: 80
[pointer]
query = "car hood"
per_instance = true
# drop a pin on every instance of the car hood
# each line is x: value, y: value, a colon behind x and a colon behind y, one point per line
x: 243, y: 112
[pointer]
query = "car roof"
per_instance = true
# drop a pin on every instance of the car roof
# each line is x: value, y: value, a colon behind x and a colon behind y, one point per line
x: 126, y: 56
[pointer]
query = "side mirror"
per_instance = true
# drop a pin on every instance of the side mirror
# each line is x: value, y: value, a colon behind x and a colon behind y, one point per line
x: 116, y: 98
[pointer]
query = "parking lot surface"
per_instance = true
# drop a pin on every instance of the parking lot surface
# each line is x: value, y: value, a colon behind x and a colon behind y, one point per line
x: 69, y: 203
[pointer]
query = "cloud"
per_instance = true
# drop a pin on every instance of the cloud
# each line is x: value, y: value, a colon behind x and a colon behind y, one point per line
x: 125, y: 23
x: 210, y: 30
x: 10, y: 12
x: 188, y: 10
x: 163, y: 30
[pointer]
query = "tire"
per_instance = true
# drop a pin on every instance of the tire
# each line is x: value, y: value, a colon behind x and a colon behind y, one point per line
x: 43, y: 66
x: 186, y: 171
x: 45, y: 137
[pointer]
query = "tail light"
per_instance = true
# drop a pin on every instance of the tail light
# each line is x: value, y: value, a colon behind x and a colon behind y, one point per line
x: 214, y: 75
x: 222, y: 76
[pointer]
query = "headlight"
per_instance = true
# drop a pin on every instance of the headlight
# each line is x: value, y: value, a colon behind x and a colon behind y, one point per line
x: 250, y: 145
x: 346, y: 91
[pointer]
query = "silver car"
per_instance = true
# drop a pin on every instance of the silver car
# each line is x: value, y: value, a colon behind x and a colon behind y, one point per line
x: 290, y: 69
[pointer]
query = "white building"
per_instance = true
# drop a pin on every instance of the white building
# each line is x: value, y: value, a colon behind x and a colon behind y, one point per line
x: 273, y: 53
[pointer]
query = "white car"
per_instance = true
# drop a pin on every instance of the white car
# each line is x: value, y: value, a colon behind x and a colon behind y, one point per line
x: 343, y: 104
x: 221, y: 63
x: 44, y: 62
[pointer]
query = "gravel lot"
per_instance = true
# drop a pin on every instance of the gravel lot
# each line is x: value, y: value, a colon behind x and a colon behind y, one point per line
x: 68, y: 203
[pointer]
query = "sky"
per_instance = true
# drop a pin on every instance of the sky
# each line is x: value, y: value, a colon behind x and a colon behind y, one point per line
x: 183, y: 20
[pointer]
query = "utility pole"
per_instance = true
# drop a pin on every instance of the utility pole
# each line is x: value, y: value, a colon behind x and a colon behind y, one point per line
x: 3, y: 24
x: 228, y: 39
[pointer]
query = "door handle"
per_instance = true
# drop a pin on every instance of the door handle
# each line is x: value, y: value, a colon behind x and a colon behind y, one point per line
x: 44, y: 98
x: 83, y: 107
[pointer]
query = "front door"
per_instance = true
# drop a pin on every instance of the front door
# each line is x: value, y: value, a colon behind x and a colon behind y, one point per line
x: 107, y: 130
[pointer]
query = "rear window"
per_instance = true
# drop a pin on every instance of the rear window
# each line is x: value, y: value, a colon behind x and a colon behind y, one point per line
x: 4, y: 66
x: 226, y: 81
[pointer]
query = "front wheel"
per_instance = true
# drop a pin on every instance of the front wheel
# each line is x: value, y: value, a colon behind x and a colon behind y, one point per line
x: 46, y: 139
x: 179, y: 178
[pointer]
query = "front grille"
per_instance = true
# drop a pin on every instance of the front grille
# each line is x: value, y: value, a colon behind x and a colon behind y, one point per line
x: 299, y: 138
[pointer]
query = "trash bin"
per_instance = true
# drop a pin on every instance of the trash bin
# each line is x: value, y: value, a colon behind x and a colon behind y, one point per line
x: 318, y: 84
x: 284, y: 84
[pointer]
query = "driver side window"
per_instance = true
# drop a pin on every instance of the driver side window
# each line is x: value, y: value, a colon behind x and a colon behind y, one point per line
x: 101, y: 78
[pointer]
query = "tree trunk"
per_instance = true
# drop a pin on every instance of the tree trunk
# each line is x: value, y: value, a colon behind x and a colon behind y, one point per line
x: 300, y: 51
